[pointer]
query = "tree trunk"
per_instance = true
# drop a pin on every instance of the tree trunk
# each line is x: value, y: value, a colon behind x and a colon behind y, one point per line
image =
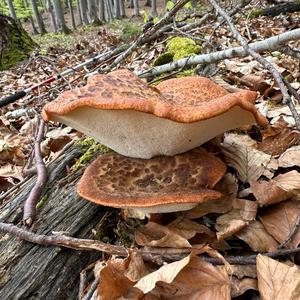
x: 32, y: 272
x: 59, y: 16
x: 72, y: 14
x: 277, y: 9
x: 117, y: 13
x: 12, y: 11
x: 153, y: 8
x: 136, y: 12
x: 148, y: 3
x: 38, y: 17
x: 30, y: 18
x: 15, y: 43
x: 79, y: 12
x: 122, y: 9
x: 101, y: 13
x: 108, y: 10
x: 49, y: 9
x: 93, y: 18
x: 83, y: 10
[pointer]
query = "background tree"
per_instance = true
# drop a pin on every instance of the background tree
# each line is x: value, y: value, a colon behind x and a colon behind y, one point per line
x: 38, y: 17
x: 59, y: 16
x: 12, y: 11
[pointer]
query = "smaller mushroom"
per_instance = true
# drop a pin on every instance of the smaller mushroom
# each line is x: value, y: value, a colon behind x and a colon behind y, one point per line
x: 122, y: 112
x: 160, y: 184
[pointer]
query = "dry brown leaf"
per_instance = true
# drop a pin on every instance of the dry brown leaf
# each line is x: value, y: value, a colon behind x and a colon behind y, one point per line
x: 13, y: 171
x: 278, y: 137
x: 228, y: 187
x: 241, y: 154
x: 256, y: 236
x: 229, y: 224
x: 279, y: 220
x: 119, y: 277
x: 239, y: 287
x: 188, y: 279
x: 155, y: 235
x: 268, y: 192
x: 289, y: 182
x: 290, y: 158
x: 277, y: 281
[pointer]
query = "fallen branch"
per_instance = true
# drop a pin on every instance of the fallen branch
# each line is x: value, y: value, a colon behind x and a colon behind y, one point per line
x: 158, y: 255
x: 269, y: 44
x: 35, y: 194
x: 276, y: 75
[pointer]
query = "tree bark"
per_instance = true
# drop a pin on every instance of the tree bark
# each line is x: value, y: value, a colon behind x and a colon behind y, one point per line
x: 136, y: 6
x: 30, y: 18
x: 83, y: 10
x: 92, y: 9
x: 38, y: 17
x: 59, y: 16
x: 72, y: 14
x: 29, y: 271
x: 154, y: 8
x: 49, y: 9
x: 101, y: 13
x: 15, y: 43
x: 277, y: 9
x: 12, y: 11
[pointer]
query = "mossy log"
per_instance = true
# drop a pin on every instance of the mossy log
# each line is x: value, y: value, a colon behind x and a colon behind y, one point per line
x: 15, y: 43
x: 277, y: 9
x: 29, y: 271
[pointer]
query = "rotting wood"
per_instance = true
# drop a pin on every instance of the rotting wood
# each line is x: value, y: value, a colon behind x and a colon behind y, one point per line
x: 29, y: 271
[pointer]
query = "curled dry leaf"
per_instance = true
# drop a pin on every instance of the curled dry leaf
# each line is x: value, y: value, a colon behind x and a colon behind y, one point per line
x: 256, y: 236
x: 290, y: 158
x: 289, y: 182
x: 155, y: 235
x: 277, y: 281
x: 228, y: 187
x: 279, y: 220
x: 229, y: 224
x: 241, y: 154
x: 277, y: 138
x: 239, y: 287
x: 188, y: 279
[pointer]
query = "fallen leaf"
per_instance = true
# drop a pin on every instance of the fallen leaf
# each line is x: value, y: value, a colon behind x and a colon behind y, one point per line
x: 187, y: 279
x: 229, y: 224
x: 155, y: 235
x: 240, y: 286
x: 241, y: 154
x: 290, y: 158
x: 277, y: 281
x: 279, y: 220
x: 256, y: 236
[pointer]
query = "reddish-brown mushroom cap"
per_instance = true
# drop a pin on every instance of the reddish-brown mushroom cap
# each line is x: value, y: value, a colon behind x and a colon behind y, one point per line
x: 122, y: 112
x: 160, y: 184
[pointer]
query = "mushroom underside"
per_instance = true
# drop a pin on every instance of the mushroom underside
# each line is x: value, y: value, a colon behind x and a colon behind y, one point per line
x: 144, y: 135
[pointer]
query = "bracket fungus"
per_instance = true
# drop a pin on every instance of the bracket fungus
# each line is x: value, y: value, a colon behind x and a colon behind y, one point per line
x: 160, y: 184
x: 122, y: 112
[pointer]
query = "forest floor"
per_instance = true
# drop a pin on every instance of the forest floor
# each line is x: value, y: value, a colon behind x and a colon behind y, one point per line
x: 259, y: 212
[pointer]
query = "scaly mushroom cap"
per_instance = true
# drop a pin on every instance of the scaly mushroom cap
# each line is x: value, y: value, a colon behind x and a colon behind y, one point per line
x: 122, y: 112
x: 160, y: 184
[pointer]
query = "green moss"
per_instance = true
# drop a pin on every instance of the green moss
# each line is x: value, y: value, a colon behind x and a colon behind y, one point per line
x: 182, y: 47
x: 18, y: 45
x: 256, y: 13
x: 90, y: 147
x: 42, y: 202
x: 163, y: 59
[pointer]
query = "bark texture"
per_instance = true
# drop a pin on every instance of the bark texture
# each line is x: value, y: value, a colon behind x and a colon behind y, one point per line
x: 15, y: 43
x: 29, y: 271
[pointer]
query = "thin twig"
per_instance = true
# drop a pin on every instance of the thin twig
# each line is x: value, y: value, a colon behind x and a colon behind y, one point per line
x: 34, y: 196
x: 159, y: 255
x: 92, y: 289
x: 278, y: 78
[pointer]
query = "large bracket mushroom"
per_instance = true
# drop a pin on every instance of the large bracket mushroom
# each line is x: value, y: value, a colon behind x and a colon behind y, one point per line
x: 122, y: 112
x: 160, y: 184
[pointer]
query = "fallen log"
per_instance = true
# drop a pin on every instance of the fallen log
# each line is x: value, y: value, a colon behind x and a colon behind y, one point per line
x: 29, y: 271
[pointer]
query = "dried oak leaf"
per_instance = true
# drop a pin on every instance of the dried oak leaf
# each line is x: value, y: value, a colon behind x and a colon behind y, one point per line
x: 278, y: 138
x: 241, y: 154
x: 188, y: 279
x: 279, y: 220
x: 277, y: 281
x: 256, y: 236
x: 239, y: 287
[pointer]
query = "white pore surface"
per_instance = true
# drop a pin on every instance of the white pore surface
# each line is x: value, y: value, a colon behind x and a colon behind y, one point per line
x: 143, y: 135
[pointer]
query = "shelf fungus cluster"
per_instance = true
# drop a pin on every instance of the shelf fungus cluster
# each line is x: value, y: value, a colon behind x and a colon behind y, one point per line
x: 155, y: 132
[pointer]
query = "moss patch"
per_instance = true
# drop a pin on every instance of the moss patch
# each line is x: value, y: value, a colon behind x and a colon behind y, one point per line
x: 182, y: 47
x: 90, y: 147
x: 17, y: 44
x: 165, y: 58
